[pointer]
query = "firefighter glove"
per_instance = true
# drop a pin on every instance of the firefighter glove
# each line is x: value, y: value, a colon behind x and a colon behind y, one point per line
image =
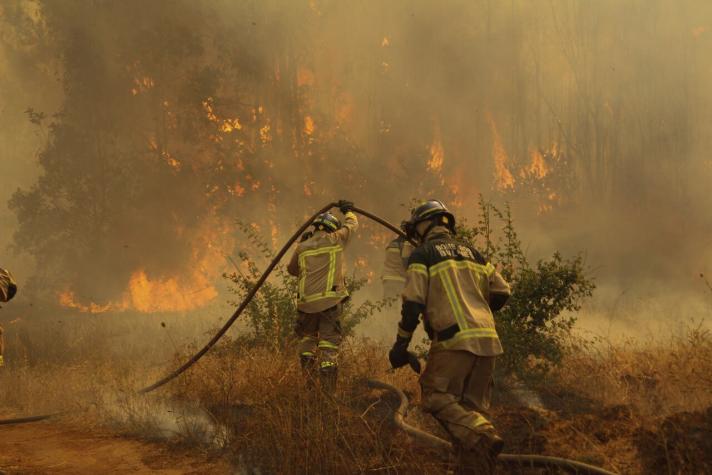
x: 345, y: 206
x: 399, y: 355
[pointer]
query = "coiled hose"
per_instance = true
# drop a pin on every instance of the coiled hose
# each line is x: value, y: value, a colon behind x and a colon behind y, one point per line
x: 519, y: 460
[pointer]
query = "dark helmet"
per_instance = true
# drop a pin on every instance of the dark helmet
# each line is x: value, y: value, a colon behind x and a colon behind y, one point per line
x: 428, y: 210
x: 327, y: 221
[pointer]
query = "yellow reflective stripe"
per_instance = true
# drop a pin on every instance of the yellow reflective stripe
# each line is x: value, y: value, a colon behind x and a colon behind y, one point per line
x: 454, y: 300
x: 322, y: 296
x: 452, y: 264
x: 306, y: 353
x: 332, y: 269
x: 479, y: 421
x: 302, y: 274
x: 418, y: 269
x: 489, y: 269
x: 393, y: 249
x: 394, y: 277
x: 327, y: 364
x: 306, y: 339
x: 466, y: 335
x: 323, y: 344
x: 404, y: 334
x: 321, y: 250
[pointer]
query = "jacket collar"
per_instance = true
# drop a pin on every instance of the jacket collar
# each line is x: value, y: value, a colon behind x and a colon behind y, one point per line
x: 438, y: 232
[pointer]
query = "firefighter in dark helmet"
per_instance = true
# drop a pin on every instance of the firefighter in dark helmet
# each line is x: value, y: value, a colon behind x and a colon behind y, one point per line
x: 456, y: 290
x: 8, y: 288
x: 318, y: 262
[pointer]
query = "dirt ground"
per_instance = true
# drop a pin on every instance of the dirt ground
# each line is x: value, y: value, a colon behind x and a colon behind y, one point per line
x: 47, y: 447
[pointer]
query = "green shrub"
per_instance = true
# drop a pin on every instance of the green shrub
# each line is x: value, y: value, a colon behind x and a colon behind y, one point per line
x: 273, y: 310
x: 534, y: 324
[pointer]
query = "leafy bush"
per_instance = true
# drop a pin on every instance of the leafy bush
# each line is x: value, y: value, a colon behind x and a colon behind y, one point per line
x: 273, y: 310
x: 537, y: 319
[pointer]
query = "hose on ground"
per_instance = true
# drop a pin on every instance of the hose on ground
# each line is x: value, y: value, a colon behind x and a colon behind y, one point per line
x: 506, y: 460
x: 25, y: 420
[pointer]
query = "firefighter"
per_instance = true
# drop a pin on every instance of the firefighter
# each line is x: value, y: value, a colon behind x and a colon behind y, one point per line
x: 394, y: 267
x: 456, y: 290
x: 8, y: 288
x: 318, y: 264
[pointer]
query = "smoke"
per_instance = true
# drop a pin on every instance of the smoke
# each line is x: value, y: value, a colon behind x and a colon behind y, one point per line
x: 166, y: 122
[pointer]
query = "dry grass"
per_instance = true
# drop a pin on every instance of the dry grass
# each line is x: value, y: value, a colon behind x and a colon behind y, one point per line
x: 654, y: 378
x: 632, y: 408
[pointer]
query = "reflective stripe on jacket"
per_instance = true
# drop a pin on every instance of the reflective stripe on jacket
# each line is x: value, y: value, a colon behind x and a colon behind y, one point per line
x: 454, y: 282
x: 318, y: 263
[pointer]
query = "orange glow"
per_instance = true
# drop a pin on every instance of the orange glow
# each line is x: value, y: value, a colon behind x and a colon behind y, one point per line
x: 385, y: 42
x: 308, y: 125
x: 503, y: 177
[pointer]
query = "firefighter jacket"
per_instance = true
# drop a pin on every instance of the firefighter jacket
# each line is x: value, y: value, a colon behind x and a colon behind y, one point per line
x: 318, y: 262
x: 453, y: 286
x: 8, y: 287
x: 397, y: 253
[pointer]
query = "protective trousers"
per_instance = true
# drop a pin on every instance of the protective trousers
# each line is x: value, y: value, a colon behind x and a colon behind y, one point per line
x: 456, y: 389
x: 320, y: 331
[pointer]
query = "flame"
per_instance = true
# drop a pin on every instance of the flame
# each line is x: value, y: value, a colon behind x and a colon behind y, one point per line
x: 265, y: 133
x: 437, y: 153
x: 229, y: 125
x: 225, y: 126
x: 503, y: 177
x: 385, y: 42
x: 169, y: 295
x: 68, y: 299
x: 538, y: 167
x: 141, y: 85
x: 308, y: 125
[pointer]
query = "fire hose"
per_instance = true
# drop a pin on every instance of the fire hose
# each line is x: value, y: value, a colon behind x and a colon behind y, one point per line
x: 509, y: 459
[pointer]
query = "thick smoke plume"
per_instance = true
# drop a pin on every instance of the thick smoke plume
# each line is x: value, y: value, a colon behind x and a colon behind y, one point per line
x: 136, y: 133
